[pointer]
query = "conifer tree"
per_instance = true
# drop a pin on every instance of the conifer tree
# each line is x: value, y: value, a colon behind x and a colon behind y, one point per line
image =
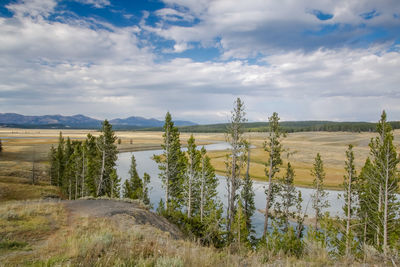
x: 349, y: 182
x: 114, y: 184
x: 288, y: 196
x: 239, y: 230
x: 171, y: 164
x: 319, y: 201
x: 145, y: 194
x: 235, y: 161
x: 108, y: 151
x: 93, y: 162
x: 273, y: 147
x: 133, y: 187
x: 382, y: 180
x: 191, y: 184
x: 247, y: 194
x: 53, y: 166
x: 60, y: 162
x: 1, y: 146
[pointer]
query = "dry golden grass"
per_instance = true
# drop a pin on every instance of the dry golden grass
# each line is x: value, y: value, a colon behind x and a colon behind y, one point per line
x: 304, y: 146
x: 44, y: 234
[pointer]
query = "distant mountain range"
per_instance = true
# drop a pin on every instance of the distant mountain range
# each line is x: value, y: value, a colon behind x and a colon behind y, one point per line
x: 79, y: 121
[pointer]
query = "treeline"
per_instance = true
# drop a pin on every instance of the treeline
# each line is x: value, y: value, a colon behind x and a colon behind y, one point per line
x: 88, y: 168
x: 291, y: 126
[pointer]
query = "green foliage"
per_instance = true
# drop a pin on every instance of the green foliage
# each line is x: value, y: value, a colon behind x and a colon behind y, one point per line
x: 136, y: 187
x: 319, y: 201
x: 273, y: 147
x: 86, y: 168
x: 377, y: 188
x: 282, y: 242
x: 236, y: 160
x: 171, y: 164
x: 287, y: 195
x: 291, y: 126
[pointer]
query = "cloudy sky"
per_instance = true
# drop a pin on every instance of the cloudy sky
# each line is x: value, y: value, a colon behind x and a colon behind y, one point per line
x: 312, y: 59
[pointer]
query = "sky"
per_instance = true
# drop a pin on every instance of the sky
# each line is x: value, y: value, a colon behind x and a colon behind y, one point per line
x: 307, y: 60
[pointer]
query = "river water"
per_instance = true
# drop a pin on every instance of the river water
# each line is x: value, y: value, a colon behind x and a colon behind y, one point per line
x: 146, y: 164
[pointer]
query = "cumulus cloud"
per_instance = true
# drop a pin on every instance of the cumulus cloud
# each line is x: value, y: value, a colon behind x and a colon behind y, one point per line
x: 247, y: 28
x: 83, y: 65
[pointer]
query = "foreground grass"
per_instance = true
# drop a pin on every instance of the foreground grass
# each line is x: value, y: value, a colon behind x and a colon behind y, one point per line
x: 24, y: 226
x: 39, y: 233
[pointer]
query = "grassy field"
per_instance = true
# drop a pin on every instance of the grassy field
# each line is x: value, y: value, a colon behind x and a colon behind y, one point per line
x: 26, y: 146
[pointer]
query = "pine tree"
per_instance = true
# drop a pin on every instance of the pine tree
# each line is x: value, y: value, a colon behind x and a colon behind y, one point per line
x: 349, y: 182
x: 1, y: 146
x: 247, y: 195
x: 380, y: 185
x: 273, y: 147
x: 60, y: 162
x: 145, y: 194
x: 93, y: 165
x: 192, y: 178
x: 239, y: 230
x: 53, y: 166
x: 114, y: 184
x: 288, y: 196
x: 319, y: 196
x: 171, y: 164
x: 235, y: 161
x: 133, y: 187
x: 108, y: 151
x: 68, y: 171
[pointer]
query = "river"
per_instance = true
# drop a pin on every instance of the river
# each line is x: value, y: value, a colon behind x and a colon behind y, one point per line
x: 146, y: 164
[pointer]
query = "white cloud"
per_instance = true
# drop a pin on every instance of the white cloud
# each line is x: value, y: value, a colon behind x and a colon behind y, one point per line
x: 76, y: 66
x: 246, y: 28
x: 95, y: 3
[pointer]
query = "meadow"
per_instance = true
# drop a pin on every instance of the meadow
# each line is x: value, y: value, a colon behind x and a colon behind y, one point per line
x: 22, y: 147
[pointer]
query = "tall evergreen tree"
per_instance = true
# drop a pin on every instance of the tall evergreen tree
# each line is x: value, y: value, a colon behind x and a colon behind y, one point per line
x: 191, y: 184
x: 114, y: 184
x: 60, y: 162
x: 108, y: 151
x: 247, y: 194
x: 288, y: 197
x: 93, y: 165
x: 319, y: 201
x: 171, y: 164
x: 240, y: 232
x: 382, y: 180
x: 236, y: 160
x: 133, y: 187
x: 350, y: 179
x: 145, y: 195
x: 53, y: 166
x: 1, y: 146
x: 273, y: 147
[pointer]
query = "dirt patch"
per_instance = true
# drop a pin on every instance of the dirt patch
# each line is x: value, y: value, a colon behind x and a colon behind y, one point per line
x: 125, y: 214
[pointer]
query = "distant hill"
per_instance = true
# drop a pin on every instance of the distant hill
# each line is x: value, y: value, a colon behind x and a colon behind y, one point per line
x: 79, y: 122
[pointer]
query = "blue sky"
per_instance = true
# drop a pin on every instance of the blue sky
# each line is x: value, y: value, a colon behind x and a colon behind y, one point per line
x: 320, y: 60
